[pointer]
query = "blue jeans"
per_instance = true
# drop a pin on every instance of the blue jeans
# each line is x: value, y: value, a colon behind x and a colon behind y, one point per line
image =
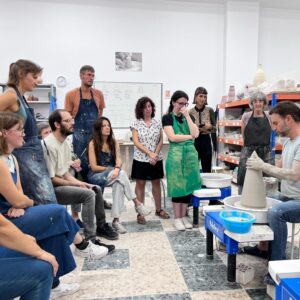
x: 278, y: 216
x: 25, y: 277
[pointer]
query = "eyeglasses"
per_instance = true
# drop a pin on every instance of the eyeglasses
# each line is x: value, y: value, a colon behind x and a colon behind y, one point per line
x: 68, y: 121
x: 21, y: 130
x: 183, y: 103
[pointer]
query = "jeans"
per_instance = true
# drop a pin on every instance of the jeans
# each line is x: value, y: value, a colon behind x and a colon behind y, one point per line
x: 92, y: 204
x: 278, y: 216
x: 121, y: 188
x: 25, y: 277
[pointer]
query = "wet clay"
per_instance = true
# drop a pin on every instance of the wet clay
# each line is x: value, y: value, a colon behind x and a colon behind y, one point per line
x: 254, y: 191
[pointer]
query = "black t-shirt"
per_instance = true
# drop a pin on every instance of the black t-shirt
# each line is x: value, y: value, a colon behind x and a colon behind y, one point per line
x: 167, y: 119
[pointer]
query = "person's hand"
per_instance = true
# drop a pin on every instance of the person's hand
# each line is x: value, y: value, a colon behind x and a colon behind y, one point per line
x: 43, y: 255
x: 153, y: 161
x: 114, y: 174
x: 76, y: 165
x: 15, y: 212
x: 184, y: 110
x: 153, y: 156
x: 255, y: 163
x: 31, y: 237
x: 83, y: 185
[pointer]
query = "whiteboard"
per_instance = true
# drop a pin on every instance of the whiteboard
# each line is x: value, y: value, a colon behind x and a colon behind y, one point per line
x: 121, y: 97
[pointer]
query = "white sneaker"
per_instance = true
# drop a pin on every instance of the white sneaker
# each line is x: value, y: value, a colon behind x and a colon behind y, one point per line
x: 187, y: 223
x: 92, y: 251
x: 119, y: 227
x: 64, y: 289
x: 178, y: 224
x: 142, y: 210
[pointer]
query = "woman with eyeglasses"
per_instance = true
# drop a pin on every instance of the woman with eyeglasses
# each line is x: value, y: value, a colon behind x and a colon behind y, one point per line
x: 182, y: 166
x: 23, y: 77
x: 106, y: 170
x: 206, y: 122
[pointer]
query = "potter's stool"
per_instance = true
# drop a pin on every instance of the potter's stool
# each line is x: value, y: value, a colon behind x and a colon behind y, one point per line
x: 203, y: 194
x: 292, y: 241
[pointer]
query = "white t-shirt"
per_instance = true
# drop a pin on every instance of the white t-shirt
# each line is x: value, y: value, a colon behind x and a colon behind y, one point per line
x: 291, y: 152
x: 148, y: 136
x: 57, y: 155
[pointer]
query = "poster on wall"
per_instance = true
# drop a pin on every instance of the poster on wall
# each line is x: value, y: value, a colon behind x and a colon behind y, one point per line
x: 128, y: 61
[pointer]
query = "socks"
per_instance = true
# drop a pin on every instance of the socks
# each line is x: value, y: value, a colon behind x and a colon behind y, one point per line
x: 82, y: 245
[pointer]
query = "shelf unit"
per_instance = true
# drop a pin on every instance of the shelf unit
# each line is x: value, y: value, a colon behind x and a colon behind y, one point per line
x: 230, y: 139
x: 43, y: 93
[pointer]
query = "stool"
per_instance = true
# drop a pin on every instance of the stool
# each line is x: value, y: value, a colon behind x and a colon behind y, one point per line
x: 292, y: 241
x: 203, y: 194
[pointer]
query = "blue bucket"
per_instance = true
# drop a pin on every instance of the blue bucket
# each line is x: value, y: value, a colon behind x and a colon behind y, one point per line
x: 237, y: 221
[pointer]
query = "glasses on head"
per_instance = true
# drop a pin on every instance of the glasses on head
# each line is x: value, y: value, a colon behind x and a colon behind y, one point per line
x: 183, y: 103
x: 21, y: 130
x: 68, y: 121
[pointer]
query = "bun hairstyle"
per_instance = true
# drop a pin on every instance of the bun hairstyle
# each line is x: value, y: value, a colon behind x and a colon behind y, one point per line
x: 200, y: 90
x: 258, y: 96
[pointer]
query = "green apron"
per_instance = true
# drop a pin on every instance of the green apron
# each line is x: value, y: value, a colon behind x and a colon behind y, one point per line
x: 182, y: 165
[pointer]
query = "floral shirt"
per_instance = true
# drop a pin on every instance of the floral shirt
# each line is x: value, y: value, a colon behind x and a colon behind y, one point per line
x: 148, y: 136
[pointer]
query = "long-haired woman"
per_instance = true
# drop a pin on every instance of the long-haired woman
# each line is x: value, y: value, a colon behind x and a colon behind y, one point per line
x: 105, y: 170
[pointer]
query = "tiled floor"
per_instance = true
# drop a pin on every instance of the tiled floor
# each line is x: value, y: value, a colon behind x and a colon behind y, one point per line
x: 154, y: 261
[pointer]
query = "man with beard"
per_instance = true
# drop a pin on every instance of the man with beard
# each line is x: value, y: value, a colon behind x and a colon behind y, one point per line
x: 85, y: 104
x: 285, y: 120
x: 68, y: 189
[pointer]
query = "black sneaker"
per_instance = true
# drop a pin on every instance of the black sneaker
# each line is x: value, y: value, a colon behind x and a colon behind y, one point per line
x: 269, y: 280
x: 107, y: 232
x: 111, y: 248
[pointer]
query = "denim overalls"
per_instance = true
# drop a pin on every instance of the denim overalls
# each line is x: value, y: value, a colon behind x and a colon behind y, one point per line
x: 35, y: 179
x: 86, y: 116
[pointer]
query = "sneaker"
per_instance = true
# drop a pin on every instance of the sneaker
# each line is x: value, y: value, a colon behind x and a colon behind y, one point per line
x: 107, y: 232
x: 187, y: 223
x: 178, y: 224
x: 111, y: 248
x: 64, y: 289
x: 92, y: 251
x: 142, y: 210
x: 117, y: 226
x: 79, y: 223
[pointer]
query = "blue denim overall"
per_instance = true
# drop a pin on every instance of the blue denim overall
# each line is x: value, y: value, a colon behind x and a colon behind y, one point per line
x: 86, y: 116
x: 34, y: 174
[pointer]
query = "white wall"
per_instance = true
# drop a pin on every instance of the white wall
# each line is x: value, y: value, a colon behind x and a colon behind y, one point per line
x: 183, y: 45
x: 182, y: 49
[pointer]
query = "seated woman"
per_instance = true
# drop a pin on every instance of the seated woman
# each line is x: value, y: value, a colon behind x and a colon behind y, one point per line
x: 51, y: 225
x: 105, y: 170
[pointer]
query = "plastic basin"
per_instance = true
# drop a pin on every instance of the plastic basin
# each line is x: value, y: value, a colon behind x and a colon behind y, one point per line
x: 237, y: 221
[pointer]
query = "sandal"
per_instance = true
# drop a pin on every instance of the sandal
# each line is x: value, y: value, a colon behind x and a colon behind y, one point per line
x: 141, y: 219
x: 162, y: 214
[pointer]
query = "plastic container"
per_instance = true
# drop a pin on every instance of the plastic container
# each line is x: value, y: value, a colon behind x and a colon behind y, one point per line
x: 237, y: 221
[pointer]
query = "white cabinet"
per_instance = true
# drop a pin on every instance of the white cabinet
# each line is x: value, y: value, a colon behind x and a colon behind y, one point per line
x: 39, y: 99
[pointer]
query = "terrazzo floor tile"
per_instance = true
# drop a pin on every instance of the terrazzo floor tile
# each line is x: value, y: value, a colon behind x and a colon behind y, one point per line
x: 118, y: 260
x: 207, y: 277
x: 158, y: 280
x: 184, y: 296
x: 220, y: 295
x: 258, y: 294
x: 151, y: 225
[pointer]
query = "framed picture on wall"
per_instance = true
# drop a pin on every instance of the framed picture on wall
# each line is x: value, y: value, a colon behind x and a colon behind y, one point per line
x: 128, y: 61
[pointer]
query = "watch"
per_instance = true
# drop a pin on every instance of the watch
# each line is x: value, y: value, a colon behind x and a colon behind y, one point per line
x: 61, y: 81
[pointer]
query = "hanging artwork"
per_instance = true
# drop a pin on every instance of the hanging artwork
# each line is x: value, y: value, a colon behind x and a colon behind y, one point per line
x: 128, y: 61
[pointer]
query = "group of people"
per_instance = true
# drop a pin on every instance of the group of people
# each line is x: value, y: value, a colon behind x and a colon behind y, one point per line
x: 36, y: 171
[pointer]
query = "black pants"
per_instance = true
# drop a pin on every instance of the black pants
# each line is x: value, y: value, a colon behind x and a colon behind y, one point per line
x: 204, y: 149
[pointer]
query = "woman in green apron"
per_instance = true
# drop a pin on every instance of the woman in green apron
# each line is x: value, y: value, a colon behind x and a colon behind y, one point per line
x: 182, y: 166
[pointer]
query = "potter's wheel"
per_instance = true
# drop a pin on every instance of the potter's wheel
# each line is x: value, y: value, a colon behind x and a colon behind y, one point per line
x: 233, y: 202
